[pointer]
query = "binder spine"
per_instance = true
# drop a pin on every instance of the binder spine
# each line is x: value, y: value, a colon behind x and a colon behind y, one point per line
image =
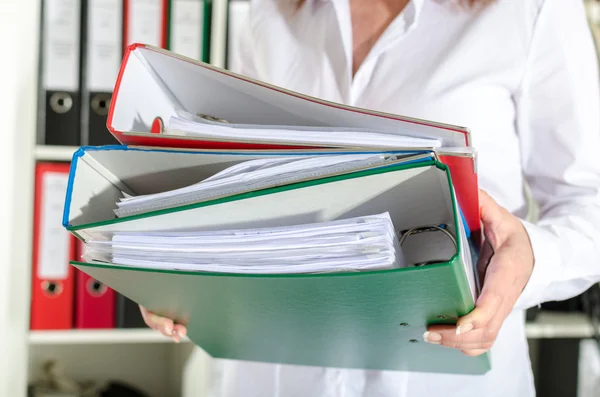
x: 186, y: 31
x: 127, y: 313
x: 59, y: 89
x: 206, y: 29
x: 218, y: 33
x: 102, y: 36
x: 94, y: 303
x: 145, y: 22
x: 54, y: 247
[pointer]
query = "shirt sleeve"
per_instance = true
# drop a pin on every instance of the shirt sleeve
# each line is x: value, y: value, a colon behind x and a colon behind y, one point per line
x: 558, y: 122
x: 243, y: 60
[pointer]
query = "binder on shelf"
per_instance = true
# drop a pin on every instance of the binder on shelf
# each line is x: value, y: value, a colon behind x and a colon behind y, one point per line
x: 239, y: 11
x: 372, y: 319
x: 102, y: 52
x: 59, y: 90
x: 189, y: 28
x: 218, y: 33
x: 127, y: 313
x: 52, y: 277
x: 94, y: 302
x: 145, y: 21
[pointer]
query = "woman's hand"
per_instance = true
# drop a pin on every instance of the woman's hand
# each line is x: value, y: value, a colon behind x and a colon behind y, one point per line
x: 165, y: 325
x: 509, y: 269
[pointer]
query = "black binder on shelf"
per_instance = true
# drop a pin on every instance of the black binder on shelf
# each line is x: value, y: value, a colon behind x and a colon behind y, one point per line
x: 101, y: 54
x: 59, y: 96
x: 128, y: 313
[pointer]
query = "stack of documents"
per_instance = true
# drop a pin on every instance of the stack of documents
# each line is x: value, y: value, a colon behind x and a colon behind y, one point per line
x: 251, y: 176
x: 187, y: 124
x: 356, y: 244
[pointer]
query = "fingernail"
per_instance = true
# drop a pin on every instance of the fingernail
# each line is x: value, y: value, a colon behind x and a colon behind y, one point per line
x: 463, y: 329
x: 169, y: 329
x: 432, y: 337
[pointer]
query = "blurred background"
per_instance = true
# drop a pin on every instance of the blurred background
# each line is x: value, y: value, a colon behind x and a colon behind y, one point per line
x: 63, y: 334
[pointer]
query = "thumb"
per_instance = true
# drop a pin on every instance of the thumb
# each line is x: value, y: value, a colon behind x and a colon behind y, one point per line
x: 494, y: 218
x: 480, y: 316
x: 489, y: 210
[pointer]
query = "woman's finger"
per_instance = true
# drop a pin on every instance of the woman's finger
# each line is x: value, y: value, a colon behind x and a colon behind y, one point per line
x: 446, y: 336
x: 179, y: 332
x: 474, y: 352
x: 146, y: 316
x: 501, y: 288
x: 162, y: 324
x: 479, y: 318
x: 485, y: 256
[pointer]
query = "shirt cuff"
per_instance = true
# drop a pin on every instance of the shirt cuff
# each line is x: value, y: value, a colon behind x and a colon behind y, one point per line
x: 546, y: 266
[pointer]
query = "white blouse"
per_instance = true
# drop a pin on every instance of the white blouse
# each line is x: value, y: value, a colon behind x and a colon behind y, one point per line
x: 523, y: 76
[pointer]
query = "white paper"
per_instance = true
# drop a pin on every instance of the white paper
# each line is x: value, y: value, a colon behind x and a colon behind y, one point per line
x: 61, y: 32
x: 341, y: 137
x: 249, y: 176
x: 54, y: 239
x: 347, y: 245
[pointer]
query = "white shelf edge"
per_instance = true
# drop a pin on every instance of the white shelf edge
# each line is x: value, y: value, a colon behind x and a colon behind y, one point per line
x: 546, y: 325
x: 54, y: 153
x: 100, y: 336
x: 559, y: 325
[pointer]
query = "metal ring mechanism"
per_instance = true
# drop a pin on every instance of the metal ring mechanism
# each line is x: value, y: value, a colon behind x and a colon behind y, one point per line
x: 212, y: 118
x: 424, y: 229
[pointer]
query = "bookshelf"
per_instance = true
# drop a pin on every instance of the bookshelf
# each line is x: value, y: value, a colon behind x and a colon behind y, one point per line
x: 546, y: 325
x: 98, y: 337
x: 54, y: 153
x: 140, y: 356
x: 560, y: 326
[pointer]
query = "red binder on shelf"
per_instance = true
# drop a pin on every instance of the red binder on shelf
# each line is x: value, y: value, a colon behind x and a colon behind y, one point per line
x: 154, y: 85
x: 54, y: 247
x: 94, y: 301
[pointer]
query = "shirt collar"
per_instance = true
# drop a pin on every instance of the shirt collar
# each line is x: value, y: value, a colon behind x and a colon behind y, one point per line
x: 412, y: 9
x: 417, y: 7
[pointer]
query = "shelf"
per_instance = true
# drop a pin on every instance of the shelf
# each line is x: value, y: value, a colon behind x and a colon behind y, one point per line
x: 103, y: 336
x: 54, y: 153
x: 559, y: 325
x: 546, y: 325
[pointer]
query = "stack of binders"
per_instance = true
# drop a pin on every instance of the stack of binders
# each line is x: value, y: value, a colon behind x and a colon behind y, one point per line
x: 279, y: 227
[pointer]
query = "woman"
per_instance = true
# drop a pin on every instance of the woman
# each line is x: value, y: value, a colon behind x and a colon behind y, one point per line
x: 522, y: 75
